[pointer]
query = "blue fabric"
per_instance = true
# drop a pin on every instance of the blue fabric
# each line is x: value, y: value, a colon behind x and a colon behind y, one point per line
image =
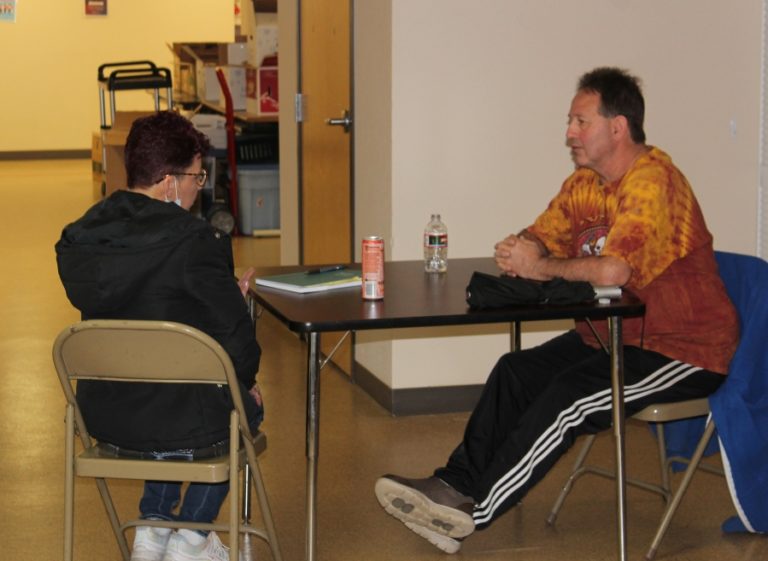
x: 740, y: 406
x: 681, y: 438
x: 202, y: 501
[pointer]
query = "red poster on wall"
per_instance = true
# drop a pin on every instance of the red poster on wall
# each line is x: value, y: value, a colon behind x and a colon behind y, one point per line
x: 95, y: 7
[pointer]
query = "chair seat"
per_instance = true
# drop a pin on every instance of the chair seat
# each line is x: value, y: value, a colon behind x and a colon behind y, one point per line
x: 657, y: 413
x: 93, y: 462
x: 663, y: 412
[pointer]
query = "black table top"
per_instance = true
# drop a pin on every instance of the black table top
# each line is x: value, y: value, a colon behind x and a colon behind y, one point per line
x: 413, y: 298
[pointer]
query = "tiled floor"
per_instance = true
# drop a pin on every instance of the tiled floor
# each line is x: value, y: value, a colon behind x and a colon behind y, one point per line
x: 359, y: 440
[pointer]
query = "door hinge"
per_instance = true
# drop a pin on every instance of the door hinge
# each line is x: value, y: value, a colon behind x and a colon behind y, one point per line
x: 299, y: 108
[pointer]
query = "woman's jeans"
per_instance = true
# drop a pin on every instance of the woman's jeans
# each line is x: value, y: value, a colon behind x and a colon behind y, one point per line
x: 202, y: 501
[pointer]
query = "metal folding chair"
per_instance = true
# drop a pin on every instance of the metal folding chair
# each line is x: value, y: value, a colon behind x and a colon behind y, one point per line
x: 157, y: 352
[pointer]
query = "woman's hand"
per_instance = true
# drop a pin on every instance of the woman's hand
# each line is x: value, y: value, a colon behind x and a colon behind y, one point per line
x: 245, y: 281
x: 255, y: 392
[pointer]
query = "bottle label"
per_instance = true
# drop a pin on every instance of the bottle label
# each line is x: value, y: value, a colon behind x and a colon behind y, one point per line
x: 436, y: 240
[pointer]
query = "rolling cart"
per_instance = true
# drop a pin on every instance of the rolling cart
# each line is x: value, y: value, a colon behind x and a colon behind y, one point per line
x: 124, y: 76
x: 135, y: 75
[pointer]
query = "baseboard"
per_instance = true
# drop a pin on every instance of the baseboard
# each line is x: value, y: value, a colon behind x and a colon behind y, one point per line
x: 416, y: 401
x: 46, y: 155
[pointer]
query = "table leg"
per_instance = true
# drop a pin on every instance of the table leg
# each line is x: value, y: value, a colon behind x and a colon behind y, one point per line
x: 313, y: 419
x: 515, y: 334
x: 617, y: 397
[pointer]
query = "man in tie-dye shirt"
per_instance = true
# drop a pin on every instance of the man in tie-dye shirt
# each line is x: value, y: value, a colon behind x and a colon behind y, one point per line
x: 627, y: 217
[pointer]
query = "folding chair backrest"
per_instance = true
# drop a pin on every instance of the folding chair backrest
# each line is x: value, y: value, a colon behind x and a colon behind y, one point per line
x: 151, y: 351
x: 142, y: 351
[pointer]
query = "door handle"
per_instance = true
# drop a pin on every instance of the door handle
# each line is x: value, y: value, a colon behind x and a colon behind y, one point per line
x: 345, y: 121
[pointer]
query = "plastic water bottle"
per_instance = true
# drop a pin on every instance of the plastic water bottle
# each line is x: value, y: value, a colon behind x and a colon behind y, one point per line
x: 435, y: 246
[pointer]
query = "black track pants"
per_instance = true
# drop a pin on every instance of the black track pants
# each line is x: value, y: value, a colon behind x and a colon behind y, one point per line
x: 537, y: 401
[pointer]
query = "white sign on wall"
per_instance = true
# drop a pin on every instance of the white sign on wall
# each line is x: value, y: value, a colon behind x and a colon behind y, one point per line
x: 8, y: 10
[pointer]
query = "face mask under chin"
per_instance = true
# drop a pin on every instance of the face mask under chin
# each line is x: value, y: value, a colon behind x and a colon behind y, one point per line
x: 177, y: 200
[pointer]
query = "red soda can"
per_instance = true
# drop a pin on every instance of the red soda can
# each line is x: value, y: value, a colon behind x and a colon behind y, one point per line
x: 373, y: 268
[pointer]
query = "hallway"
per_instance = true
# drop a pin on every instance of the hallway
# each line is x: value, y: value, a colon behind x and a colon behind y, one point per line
x: 359, y: 439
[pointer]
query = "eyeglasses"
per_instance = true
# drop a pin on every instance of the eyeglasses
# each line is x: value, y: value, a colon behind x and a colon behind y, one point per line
x: 200, y: 178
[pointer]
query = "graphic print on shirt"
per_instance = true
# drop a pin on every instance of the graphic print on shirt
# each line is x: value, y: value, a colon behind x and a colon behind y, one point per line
x: 592, y: 240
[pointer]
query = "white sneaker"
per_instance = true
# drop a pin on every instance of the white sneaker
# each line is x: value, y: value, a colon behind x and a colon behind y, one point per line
x: 183, y: 546
x: 449, y: 545
x: 150, y: 543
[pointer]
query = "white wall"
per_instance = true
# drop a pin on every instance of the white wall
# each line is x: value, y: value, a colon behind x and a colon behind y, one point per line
x: 479, y: 96
x: 373, y: 154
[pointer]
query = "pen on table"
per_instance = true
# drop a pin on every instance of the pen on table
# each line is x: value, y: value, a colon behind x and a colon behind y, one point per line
x: 326, y: 269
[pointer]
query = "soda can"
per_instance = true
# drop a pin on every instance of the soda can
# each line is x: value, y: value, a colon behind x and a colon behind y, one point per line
x: 373, y: 268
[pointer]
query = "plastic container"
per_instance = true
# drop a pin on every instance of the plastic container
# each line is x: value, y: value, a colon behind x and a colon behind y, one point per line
x: 259, y: 199
x: 435, y: 245
x: 257, y: 148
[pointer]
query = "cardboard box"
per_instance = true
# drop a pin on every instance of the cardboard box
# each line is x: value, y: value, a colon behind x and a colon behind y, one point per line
x: 233, y: 54
x: 262, y: 91
x: 251, y: 87
x: 97, y: 174
x: 209, y: 90
x: 113, y: 143
x: 207, y: 84
x: 235, y: 76
x: 185, y: 79
x: 268, y: 95
x: 192, y: 52
x: 214, y: 127
x: 263, y: 42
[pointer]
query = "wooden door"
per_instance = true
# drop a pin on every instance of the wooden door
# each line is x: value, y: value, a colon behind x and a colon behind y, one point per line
x: 326, y: 190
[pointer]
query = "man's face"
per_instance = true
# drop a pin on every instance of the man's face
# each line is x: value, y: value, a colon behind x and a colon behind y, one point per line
x: 589, y: 134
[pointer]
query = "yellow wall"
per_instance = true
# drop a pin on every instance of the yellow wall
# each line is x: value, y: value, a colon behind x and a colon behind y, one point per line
x: 50, y: 57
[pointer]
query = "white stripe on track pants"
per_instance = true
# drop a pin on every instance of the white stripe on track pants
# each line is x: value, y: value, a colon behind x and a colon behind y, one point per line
x: 537, y: 401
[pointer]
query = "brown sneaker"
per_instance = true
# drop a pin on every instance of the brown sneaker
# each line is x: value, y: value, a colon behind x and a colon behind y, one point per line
x: 430, y: 503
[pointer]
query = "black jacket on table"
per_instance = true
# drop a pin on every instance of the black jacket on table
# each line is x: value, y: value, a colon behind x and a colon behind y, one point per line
x: 133, y: 257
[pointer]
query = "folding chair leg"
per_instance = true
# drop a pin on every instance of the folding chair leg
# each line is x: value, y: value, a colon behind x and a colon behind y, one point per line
x: 266, y: 512
x: 576, y: 472
x: 664, y: 464
x: 234, y: 515
x: 69, y: 496
x: 678, y: 496
x: 246, y: 504
x: 69, y: 483
x: 114, y: 521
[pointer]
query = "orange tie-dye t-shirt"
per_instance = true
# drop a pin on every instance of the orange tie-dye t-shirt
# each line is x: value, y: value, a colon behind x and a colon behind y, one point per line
x: 650, y: 219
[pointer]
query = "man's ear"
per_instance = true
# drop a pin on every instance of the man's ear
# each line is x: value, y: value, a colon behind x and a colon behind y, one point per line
x: 620, y: 126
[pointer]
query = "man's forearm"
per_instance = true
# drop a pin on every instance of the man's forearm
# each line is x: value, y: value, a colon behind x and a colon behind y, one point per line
x: 526, y: 235
x: 599, y: 271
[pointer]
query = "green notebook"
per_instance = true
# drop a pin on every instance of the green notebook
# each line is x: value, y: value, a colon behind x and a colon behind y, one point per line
x: 302, y: 282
